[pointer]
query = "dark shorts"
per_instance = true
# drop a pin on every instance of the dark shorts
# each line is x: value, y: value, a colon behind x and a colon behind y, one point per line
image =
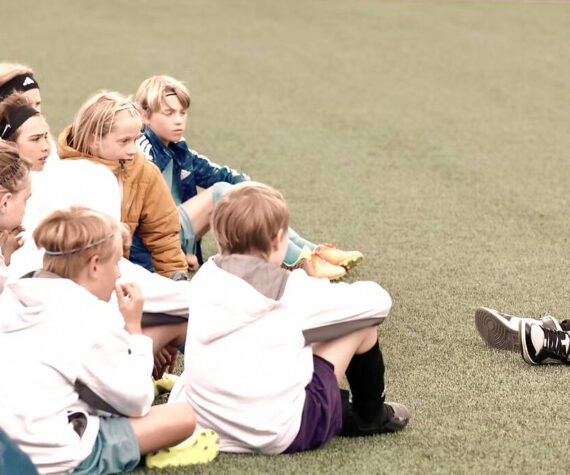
x: 322, y: 412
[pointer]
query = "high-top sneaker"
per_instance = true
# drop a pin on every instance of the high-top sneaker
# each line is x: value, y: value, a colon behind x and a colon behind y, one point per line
x: 501, y: 330
x: 540, y: 345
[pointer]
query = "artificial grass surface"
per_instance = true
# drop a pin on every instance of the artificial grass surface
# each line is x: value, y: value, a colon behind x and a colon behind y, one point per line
x: 432, y: 136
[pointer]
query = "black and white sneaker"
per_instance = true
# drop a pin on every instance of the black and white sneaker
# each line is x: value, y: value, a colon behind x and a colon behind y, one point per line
x: 501, y: 330
x: 541, y: 345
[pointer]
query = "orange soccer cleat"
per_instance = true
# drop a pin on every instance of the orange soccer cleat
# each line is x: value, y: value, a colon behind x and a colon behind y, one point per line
x: 334, y: 255
x: 316, y: 266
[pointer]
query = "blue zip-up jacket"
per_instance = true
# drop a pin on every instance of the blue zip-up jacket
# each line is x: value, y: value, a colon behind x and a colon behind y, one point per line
x: 190, y: 170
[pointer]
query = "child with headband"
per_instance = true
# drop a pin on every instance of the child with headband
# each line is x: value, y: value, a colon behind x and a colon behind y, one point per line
x: 14, y: 192
x: 164, y: 102
x: 267, y: 348
x: 27, y: 128
x: 104, y: 132
x: 86, y: 405
x: 19, y: 78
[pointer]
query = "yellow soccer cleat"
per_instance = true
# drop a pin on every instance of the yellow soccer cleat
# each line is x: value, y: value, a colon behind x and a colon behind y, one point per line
x: 334, y: 255
x: 165, y: 384
x: 202, y: 447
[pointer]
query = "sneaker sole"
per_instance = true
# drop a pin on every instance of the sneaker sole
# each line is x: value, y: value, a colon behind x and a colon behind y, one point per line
x: 203, y: 447
x: 495, y: 333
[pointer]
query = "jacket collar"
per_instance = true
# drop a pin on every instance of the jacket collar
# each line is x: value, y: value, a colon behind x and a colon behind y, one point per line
x: 67, y: 152
x: 162, y: 154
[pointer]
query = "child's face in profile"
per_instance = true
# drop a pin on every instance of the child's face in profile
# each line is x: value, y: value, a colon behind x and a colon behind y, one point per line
x: 33, y: 141
x: 119, y: 143
x: 169, y: 122
x: 13, y: 206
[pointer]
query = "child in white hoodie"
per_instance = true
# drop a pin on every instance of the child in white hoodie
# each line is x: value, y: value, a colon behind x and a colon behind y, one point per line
x: 266, y: 348
x: 14, y: 192
x: 85, y: 405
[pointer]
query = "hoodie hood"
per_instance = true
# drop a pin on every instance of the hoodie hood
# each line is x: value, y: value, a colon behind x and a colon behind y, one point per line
x: 253, y: 304
x: 24, y: 301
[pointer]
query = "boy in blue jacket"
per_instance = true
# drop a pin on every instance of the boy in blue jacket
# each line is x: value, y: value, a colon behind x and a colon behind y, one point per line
x: 164, y: 102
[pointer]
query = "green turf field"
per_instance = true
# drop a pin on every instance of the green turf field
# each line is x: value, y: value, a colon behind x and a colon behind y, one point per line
x: 432, y: 136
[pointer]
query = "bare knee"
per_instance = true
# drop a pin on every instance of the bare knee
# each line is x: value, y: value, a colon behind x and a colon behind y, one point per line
x: 188, y: 417
x: 181, y: 419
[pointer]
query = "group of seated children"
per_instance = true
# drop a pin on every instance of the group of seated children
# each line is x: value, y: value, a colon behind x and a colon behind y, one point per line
x: 266, y: 343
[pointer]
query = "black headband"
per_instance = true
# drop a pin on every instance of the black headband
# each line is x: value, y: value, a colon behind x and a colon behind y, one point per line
x: 16, y: 118
x: 20, y: 83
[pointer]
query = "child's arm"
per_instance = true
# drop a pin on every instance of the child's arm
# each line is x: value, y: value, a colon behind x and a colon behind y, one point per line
x: 115, y: 373
x: 159, y: 226
x: 335, y: 309
x: 206, y: 172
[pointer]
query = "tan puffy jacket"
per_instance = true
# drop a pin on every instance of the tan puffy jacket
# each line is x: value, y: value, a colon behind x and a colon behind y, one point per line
x: 146, y: 202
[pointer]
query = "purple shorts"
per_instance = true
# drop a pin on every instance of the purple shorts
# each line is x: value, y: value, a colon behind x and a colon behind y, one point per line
x: 322, y: 412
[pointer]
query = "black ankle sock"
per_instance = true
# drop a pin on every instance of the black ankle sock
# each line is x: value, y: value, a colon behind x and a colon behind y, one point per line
x: 365, y: 375
x: 565, y: 324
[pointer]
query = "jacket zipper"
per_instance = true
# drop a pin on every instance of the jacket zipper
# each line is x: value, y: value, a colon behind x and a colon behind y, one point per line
x: 121, y: 171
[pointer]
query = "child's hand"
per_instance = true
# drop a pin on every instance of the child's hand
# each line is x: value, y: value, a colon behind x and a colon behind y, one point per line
x: 192, y: 262
x: 130, y: 300
x: 11, y: 242
x: 163, y: 360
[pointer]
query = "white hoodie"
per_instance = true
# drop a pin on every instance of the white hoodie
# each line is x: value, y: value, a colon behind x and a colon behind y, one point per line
x: 81, y: 182
x: 58, y: 340
x: 248, y: 354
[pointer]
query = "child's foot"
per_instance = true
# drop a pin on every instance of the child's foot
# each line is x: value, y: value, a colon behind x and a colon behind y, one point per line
x: 165, y: 384
x: 202, y: 447
x: 393, y: 418
x: 333, y: 255
x: 500, y: 330
x: 316, y: 266
x: 540, y: 345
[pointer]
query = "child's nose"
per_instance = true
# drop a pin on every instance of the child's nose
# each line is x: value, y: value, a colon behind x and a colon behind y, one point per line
x: 132, y: 148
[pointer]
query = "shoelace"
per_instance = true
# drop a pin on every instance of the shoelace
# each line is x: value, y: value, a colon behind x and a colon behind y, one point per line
x: 554, y: 343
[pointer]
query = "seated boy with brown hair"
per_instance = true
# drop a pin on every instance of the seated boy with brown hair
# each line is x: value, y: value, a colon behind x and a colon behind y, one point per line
x: 266, y: 347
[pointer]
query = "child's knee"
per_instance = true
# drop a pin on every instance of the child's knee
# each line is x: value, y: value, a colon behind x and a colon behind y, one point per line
x: 184, y: 416
x: 219, y: 189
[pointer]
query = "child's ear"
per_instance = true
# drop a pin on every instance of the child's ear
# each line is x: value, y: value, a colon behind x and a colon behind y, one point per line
x: 145, y: 115
x: 4, y: 200
x: 93, y: 266
x: 94, y: 145
x: 277, y: 240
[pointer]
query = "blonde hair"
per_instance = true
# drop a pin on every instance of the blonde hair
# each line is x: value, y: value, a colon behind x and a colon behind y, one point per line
x: 9, y: 71
x: 13, y: 169
x: 96, y: 118
x: 72, y: 236
x: 151, y: 94
x: 248, y: 218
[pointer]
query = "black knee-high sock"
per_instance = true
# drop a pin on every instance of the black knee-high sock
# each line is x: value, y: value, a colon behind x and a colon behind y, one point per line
x: 365, y: 375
